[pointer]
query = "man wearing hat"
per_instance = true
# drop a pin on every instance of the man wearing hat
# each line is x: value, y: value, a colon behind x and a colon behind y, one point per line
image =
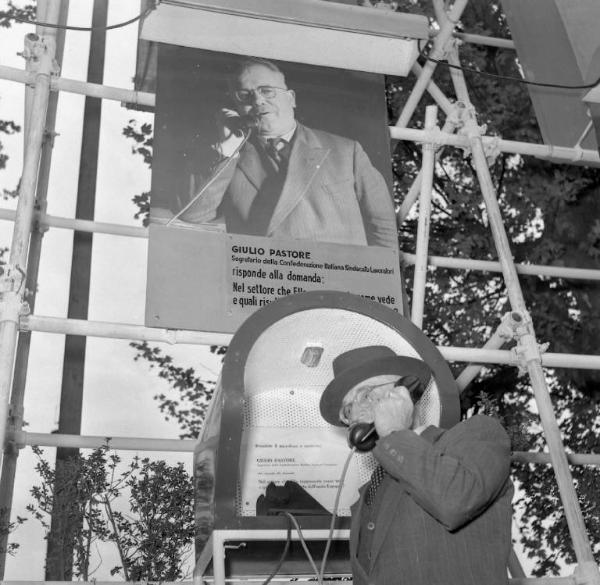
x: 437, y: 510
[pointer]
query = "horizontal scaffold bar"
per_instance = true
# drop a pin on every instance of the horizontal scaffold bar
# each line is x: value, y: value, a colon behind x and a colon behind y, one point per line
x: 556, y: 153
x: 22, y: 438
x: 175, y: 336
x: 82, y: 87
x: 84, y: 225
x: 246, y: 581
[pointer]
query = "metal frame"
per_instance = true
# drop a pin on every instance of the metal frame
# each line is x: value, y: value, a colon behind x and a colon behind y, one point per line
x: 460, y: 130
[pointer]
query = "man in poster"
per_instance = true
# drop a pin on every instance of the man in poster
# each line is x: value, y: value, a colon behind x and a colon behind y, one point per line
x: 278, y: 178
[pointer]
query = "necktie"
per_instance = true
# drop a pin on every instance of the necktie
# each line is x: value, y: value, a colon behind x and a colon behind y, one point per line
x: 277, y: 149
x: 376, y: 480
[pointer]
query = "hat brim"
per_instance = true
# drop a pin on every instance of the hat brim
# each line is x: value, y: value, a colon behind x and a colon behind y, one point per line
x: 331, y: 399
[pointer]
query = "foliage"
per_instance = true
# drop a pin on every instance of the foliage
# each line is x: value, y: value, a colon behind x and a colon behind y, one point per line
x: 153, y: 539
x: 191, y: 396
x: 142, y: 135
x: 7, y: 527
x: 7, y: 17
x: 550, y: 214
x: 156, y: 542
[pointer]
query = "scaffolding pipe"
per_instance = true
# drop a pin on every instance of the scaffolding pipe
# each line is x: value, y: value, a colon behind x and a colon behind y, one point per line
x: 52, y: 11
x: 82, y: 225
x: 437, y: 52
x: 115, y: 229
x: 496, y: 341
x: 495, y: 266
x: 420, y: 272
x: 558, y: 154
x: 528, y: 349
x: 46, y: 220
x: 435, y: 92
x: 413, y: 192
x: 24, y: 438
x: 562, y: 154
x: 248, y: 581
x: 86, y: 88
x: 64, y: 326
x: 13, y: 280
x: 532, y: 358
x: 122, y: 331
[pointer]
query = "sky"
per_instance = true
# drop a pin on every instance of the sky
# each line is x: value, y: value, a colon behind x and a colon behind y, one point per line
x: 117, y: 390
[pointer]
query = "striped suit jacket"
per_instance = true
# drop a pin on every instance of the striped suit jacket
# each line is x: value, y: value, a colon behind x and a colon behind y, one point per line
x: 442, y: 515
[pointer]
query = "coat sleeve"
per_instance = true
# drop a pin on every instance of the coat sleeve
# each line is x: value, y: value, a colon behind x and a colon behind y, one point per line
x: 209, y: 193
x: 454, y: 482
x: 375, y: 201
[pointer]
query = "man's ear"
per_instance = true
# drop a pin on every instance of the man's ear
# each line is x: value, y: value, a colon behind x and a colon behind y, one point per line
x: 293, y: 97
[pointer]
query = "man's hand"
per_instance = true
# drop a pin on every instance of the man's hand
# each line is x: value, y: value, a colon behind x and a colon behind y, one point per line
x: 393, y: 412
x: 230, y: 135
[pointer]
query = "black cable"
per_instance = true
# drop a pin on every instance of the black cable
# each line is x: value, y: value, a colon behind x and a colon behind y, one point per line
x: 507, y: 77
x: 283, y: 556
x: 84, y: 28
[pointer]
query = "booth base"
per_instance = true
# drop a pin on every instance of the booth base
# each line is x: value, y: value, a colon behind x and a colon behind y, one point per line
x: 211, y: 564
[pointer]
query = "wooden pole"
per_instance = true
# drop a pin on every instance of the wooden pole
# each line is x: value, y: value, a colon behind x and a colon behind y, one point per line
x: 62, y: 534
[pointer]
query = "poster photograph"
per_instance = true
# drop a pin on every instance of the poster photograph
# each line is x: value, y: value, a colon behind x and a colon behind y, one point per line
x: 257, y: 164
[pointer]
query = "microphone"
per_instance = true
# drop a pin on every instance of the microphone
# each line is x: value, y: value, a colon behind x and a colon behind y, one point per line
x: 362, y: 436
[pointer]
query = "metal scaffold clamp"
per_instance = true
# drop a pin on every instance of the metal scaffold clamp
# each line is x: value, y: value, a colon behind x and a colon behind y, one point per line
x: 519, y: 326
x: 37, y: 54
x: 587, y: 573
x: 12, y: 282
x: 467, y: 124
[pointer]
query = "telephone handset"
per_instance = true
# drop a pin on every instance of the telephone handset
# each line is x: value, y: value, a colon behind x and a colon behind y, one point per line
x: 240, y: 124
x: 362, y: 436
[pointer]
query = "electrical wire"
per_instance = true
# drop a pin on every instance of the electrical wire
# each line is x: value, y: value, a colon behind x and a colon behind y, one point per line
x: 506, y: 77
x: 292, y: 519
x: 140, y: 16
x: 283, y: 556
x: 213, y: 178
x: 304, y: 546
x: 334, y: 515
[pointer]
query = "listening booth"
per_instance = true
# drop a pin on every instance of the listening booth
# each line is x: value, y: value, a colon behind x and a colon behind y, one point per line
x: 267, y: 466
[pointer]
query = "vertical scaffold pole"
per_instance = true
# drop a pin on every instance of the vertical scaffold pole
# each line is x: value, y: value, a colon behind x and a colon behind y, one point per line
x: 587, y: 570
x: 422, y: 252
x: 50, y: 11
x: 12, y: 283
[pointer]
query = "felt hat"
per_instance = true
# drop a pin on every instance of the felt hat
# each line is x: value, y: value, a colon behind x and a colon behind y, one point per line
x: 359, y: 364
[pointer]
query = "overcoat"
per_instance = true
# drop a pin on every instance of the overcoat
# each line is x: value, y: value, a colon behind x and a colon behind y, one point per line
x: 442, y: 515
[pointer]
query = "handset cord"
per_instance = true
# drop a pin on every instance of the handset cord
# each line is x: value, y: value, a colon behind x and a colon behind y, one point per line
x: 213, y: 178
x: 304, y: 545
x: 334, y: 514
x: 286, y: 548
x: 318, y: 573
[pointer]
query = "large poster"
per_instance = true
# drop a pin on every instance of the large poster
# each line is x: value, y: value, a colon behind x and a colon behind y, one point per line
x: 268, y: 178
